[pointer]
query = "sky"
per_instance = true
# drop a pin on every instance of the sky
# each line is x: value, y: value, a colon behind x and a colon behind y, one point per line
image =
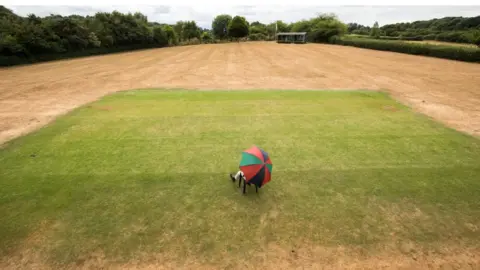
x: 204, y: 15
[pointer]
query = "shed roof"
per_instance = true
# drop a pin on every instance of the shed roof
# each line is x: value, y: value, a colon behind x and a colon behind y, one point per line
x: 291, y: 33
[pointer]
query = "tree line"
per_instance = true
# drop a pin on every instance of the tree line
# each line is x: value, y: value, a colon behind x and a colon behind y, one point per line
x: 320, y: 28
x: 33, y: 39
x: 449, y: 29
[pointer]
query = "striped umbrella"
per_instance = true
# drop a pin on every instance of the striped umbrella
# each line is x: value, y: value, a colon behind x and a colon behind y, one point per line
x: 256, y: 166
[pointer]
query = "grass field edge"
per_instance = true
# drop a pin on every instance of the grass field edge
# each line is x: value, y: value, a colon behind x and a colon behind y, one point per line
x: 385, y: 92
x: 7, y: 143
x: 175, y: 89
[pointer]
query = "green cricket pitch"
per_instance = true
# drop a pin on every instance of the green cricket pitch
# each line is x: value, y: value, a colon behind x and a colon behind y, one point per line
x: 143, y: 175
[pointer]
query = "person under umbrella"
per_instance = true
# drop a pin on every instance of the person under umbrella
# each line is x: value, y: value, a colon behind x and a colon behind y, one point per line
x: 255, y: 168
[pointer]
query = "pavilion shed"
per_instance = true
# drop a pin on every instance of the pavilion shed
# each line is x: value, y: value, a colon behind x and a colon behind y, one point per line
x: 292, y: 37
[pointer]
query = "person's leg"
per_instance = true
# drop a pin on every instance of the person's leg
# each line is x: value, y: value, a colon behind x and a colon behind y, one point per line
x: 239, y: 177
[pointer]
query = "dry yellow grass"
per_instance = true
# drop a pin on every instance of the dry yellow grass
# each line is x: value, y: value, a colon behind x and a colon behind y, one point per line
x: 448, y: 91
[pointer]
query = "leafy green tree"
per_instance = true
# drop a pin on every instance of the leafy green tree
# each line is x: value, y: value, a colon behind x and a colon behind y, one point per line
x: 450, y: 29
x: 206, y: 37
x: 27, y: 39
x: 238, y: 27
x: 375, y: 30
x: 190, y: 30
x: 170, y: 34
x: 159, y: 36
x: 9, y: 45
x: 321, y: 28
x: 220, y: 26
x: 355, y: 28
x: 5, y: 12
x: 258, y: 28
x: 282, y: 27
x: 257, y: 36
x: 178, y: 28
x: 93, y: 40
x: 326, y: 26
x: 302, y: 26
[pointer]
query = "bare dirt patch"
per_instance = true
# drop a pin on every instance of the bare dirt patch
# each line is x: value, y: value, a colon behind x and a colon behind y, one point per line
x: 30, y: 254
x: 395, y: 253
x: 449, y: 91
x: 277, y: 257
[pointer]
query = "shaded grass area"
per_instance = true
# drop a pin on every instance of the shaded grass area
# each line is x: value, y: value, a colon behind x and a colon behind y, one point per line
x: 146, y: 172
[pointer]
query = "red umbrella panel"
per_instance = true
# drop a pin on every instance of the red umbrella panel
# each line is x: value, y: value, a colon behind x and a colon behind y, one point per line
x: 256, y: 166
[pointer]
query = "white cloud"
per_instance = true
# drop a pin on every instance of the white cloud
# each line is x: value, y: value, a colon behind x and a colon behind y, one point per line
x: 204, y: 15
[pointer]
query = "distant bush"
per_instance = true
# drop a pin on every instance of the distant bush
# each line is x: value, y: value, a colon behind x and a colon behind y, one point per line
x: 207, y: 37
x: 370, y: 37
x: 320, y: 28
x: 468, y: 54
x: 192, y: 41
x: 412, y: 38
x: 389, y: 38
x: 430, y: 37
x: 325, y: 27
x: 455, y: 37
x: 257, y: 36
x: 220, y: 41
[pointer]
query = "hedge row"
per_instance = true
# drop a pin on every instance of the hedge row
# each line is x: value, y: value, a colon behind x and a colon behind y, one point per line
x: 13, y: 60
x: 460, y: 53
x: 386, y: 37
x: 257, y: 36
x: 465, y: 37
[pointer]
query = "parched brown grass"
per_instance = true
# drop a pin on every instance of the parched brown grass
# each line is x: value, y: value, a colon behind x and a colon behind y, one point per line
x: 448, y: 91
x: 299, y: 255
